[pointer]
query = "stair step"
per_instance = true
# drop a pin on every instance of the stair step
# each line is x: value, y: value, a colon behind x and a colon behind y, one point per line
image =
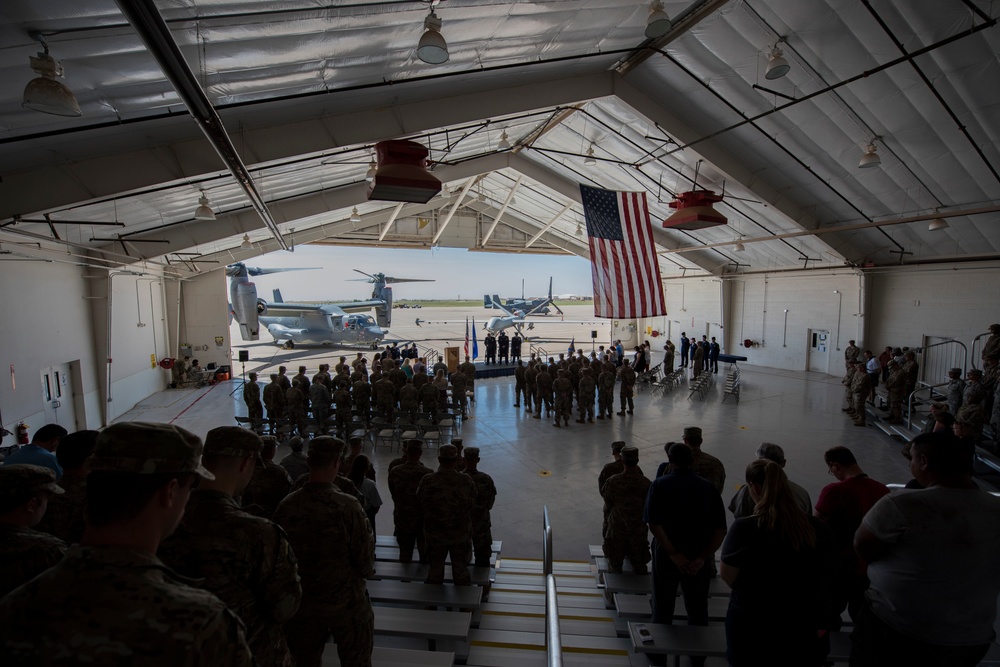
x: 533, y: 565
x: 538, y: 579
x: 492, y: 656
x: 537, y: 598
x: 539, y: 610
x: 606, y: 646
x: 568, y: 625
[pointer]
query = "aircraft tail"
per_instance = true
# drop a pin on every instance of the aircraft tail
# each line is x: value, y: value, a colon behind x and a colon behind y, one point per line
x: 497, y: 303
x: 487, y: 303
x: 383, y: 314
x: 277, y: 296
x: 550, y: 288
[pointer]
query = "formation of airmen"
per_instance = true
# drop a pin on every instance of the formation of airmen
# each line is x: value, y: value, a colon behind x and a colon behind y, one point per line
x: 210, y: 554
x: 332, y: 400
x: 553, y: 385
x: 508, y: 348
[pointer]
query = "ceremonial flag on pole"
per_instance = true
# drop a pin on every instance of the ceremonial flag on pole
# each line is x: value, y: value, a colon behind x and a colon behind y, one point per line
x: 466, y: 336
x: 623, y: 259
x: 572, y: 346
x: 475, y: 345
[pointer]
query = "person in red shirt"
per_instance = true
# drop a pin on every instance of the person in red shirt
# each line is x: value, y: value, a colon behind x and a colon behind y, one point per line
x: 842, y: 505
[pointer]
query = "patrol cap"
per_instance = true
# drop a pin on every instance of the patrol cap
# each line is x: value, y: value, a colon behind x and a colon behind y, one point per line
x: 457, y: 442
x: 448, y: 453
x: 147, y: 448
x: 617, y: 446
x: 995, y: 327
x: 955, y: 371
x: 413, y: 445
x: 232, y: 441
x: 939, y: 406
x: 326, y: 444
x: 471, y: 453
x: 630, y: 455
x: 356, y: 441
x: 976, y: 371
x: 22, y: 480
x: 692, y: 432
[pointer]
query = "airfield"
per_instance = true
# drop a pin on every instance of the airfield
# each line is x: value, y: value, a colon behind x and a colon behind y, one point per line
x: 551, y: 335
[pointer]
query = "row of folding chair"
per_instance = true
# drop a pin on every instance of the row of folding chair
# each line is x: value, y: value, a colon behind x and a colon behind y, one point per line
x: 669, y: 381
x: 701, y: 385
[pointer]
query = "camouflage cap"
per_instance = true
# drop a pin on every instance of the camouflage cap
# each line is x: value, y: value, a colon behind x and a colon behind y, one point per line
x: 356, y: 441
x: 471, y: 453
x: 448, y: 453
x: 146, y: 448
x: 995, y: 327
x: 232, y: 441
x: 630, y: 455
x: 955, y: 371
x: 617, y: 446
x: 326, y: 444
x: 22, y: 479
x: 692, y: 432
x: 457, y: 442
x: 975, y: 371
x: 413, y: 445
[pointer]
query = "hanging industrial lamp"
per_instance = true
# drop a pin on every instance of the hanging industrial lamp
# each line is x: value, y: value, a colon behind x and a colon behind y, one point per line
x: 504, y: 143
x: 44, y: 93
x: 432, y: 49
x: 937, y: 224
x: 777, y: 66
x: 246, y: 242
x: 658, y: 24
x: 870, y: 158
x: 355, y: 217
x: 590, y: 160
x: 372, y: 169
x: 204, y: 210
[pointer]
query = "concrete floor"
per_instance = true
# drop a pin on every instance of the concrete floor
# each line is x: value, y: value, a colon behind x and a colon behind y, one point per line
x: 535, y: 464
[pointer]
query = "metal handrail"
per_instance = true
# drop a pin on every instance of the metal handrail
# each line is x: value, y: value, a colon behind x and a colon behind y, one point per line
x: 909, y: 399
x: 965, y: 350
x: 553, y: 640
x: 974, y: 341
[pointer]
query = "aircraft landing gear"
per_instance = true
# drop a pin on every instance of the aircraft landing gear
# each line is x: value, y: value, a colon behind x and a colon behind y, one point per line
x: 289, y: 345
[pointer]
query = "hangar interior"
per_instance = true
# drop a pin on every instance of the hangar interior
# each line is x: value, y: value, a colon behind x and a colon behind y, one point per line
x: 854, y: 145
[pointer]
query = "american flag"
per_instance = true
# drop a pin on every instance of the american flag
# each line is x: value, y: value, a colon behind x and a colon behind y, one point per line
x: 622, y: 254
x: 466, y: 336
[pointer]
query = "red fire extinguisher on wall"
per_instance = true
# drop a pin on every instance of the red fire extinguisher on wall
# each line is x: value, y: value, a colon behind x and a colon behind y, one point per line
x: 22, y: 433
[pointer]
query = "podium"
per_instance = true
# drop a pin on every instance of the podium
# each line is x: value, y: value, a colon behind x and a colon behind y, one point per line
x: 452, y: 358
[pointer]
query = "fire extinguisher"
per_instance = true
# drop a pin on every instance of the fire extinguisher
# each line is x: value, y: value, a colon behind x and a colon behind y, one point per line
x: 22, y: 433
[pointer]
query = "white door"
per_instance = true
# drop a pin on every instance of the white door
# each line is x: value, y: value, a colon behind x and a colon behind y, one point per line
x: 57, y: 396
x: 819, y: 350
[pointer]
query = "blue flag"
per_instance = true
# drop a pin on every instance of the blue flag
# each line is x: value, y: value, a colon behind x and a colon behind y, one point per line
x: 475, y: 345
x: 572, y: 345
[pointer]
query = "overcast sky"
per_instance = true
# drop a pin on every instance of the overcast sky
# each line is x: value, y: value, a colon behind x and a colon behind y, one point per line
x: 456, y: 272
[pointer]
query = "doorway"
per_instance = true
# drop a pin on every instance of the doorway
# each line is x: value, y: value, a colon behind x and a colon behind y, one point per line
x: 819, y: 351
x: 58, y: 400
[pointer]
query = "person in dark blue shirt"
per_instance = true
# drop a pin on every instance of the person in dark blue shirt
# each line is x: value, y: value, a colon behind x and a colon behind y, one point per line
x: 685, y: 348
x: 41, y: 451
x: 686, y: 516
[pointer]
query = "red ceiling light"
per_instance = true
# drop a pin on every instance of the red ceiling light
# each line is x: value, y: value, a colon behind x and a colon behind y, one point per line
x: 694, y: 211
x: 402, y: 173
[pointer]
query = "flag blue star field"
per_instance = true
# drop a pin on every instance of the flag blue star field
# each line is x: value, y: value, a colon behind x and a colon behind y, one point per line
x: 622, y: 254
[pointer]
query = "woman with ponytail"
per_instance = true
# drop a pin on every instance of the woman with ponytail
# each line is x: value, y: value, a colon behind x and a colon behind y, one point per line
x: 778, y: 563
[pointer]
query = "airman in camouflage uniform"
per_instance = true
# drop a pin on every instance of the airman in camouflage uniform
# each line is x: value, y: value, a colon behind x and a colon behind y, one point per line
x: 446, y: 498
x: 245, y: 560
x: 627, y: 389
x: 860, y: 388
x: 303, y: 380
x: 342, y: 397
x: 562, y: 387
x: 113, y: 601
x: 895, y: 386
x: 251, y: 396
x: 458, y: 385
x: 274, y: 400
x: 25, y: 553
x: 574, y: 366
x: 606, y: 392
x: 295, y: 407
x: 852, y: 368
x: 530, y: 388
x: 468, y: 369
x: 586, y: 392
x: 407, y: 516
x: 486, y: 495
x: 520, y: 387
x: 323, y: 375
x: 543, y: 391
x: 319, y: 397
x: 625, y: 497
x: 912, y: 370
x: 409, y: 399
x: 398, y: 378
x: 64, y: 516
x: 607, y: 472
x: 334, y: 545
x: 294, y: 462
x: 361, y: 396
x: 430, y: 400
x: 270, y: 482
x: 956, y: 390
x: 385, y: 394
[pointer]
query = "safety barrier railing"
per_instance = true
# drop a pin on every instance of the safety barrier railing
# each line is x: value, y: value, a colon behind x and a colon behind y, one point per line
x: 921, y: 386
x: 553, y: 640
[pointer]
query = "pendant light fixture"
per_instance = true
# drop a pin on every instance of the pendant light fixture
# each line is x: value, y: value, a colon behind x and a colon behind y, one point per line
x: 658, y: 24
x: 44, y: 93
x: 504, y: 141
x: 870, y: 158
x: 432, y: 49
x: 246, y: 242
x: 355, y: 217
x: 739, y: 247
x: 937, y: 224
x: 204, y: 210
x: 372, y: 169
x: 590, y: 160
x: 777, y: 66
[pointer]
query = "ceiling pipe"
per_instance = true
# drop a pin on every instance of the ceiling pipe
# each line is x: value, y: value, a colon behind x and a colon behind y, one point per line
x: 503, y: 209
x: 154, y: 33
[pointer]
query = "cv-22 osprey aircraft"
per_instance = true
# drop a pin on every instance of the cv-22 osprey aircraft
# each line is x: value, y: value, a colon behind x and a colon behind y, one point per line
x: 292, y: 324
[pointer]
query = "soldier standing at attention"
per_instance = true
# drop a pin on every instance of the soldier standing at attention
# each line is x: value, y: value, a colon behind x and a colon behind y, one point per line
x: 668, y: 356
x: 319, y: 397
x: 303, y: 380
x: 458, y: 382
x: 251, y: 396
x: 606, y: 392
x: 385, y: 394
x: 530, y: 386
x: 295, y: 405
x: 407, y: 517
x: 520, y: 386
x: 110, y: 600
x: 625, y: 497
x: 685, y: 349
x: 24, y: 553
x: 446, y: 498
x: 563, y: 389
x: 515, y: 348
x: 895, y: 385
x: 610, y: 470
x: 469, y: 371
x: 342, y: 398
x: 852, y: 368
x: 852, y: 353
x: 333, y: 542
x: 627, y: 376
x: 274, y: 400
x: 543, y: 391
x: 430, y: 400
x: 860, y: 388
x: 245, y: 560
x: 283, y: 380
x: 503, y: 343
x: 956, y: 389
x: 361, y: 396
x: 713, y: 355
x: 409, y: 399
x: 486, y: 495
x: 294, y: 462
x: 586, y: 391
x: 270, y: 482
